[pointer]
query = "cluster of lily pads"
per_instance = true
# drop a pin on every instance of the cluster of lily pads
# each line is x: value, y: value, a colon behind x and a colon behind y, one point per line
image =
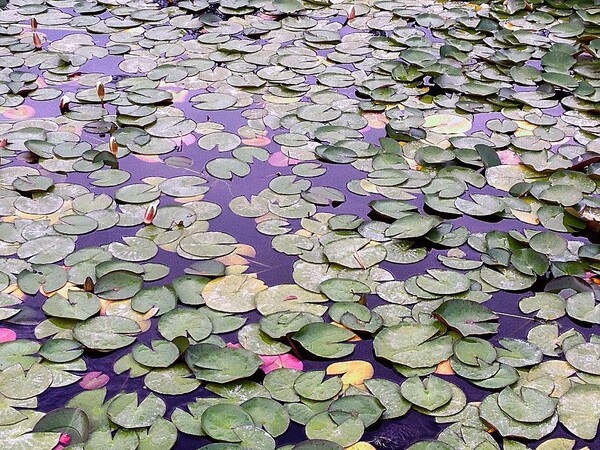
x: 460, y: 140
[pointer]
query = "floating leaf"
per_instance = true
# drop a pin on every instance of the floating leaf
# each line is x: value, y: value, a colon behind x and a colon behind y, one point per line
x: 125, y: 411
x: 234, y: 293
x: 106, y: 333
x: 414, y: 345
x: 340, y: 427
x: 324, y: 340
x: 221, y: 421
x: 17, y: 384
x: 118, y: 285
x: 430, y: 393
x: 467, y: 317
x: 220, y: 365
x: 72, y: 421
x: 578, y: 412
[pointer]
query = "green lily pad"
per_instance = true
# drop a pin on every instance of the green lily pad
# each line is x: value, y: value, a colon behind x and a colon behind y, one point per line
x: 578, y: 412
x: 413, y: 345
x: 365, y: 407
x: 19, y: 385
x: 118, y: 285
x: 507, y: 426
x: 221, y: 421
x: 125, y: 411
x: 430, y: 393
x: 269, y: 414
x: 72, y: 421
x: 159, y: 354
x: 185, y: 322
x: 354, y: 253
x: 313, y: 386
x: 585, y: 357
x: 79, y: 305
x: 467, y: 317
x: 289, y: 297
x: 324, y: 340
x: 220, y: 365
x: 233, y: 293
x: 340, y: 427
x: 105, y: 333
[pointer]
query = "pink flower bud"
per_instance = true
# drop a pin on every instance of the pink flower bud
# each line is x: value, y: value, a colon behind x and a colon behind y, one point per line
x: 100, y: 90
x: 113, y: 146
x: 64, y: 104
x: 94, y: 380
x: 37, y: 41
x: 149, y: 214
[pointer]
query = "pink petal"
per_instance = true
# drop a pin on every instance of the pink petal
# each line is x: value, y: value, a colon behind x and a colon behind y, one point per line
x: 94, y: 380
x: 268, y: 359
x: 265, y: 16
x: 588, y: 275
x: 150, y: 159
x: 64, y: 438
x: 508, y: 157
x: 266, y: 368
x: 19, y: 112
x: 6, y: 335
x: 259, y: 141
x: 270, y: 363
x: 233, y: 345
x: 188, y: 139
x: 279, y: 159
x: 40, y: 82
x: 181, y: 96
x: 149, y: 214
x: 287, y: 360
x: 291, y: 362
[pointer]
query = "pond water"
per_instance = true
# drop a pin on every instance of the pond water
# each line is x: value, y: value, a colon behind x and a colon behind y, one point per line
x: 294, y: 225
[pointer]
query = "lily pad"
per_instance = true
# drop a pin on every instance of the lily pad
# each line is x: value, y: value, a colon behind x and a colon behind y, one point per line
x: 467, y: 317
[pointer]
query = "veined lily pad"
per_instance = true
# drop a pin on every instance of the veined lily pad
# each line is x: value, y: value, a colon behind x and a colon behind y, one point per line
x: 220, y: 365
x: 414, y: 345
x: 469, y: 318
x: 106, y: 333
x: 324, y: 340
x: 125, y: 411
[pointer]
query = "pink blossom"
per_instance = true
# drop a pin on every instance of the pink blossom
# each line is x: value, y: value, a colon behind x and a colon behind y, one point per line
x: 150, y: 213
x: 188, y: 139
x: 286, y: 360
x: 265, y: 16
x: 508, y: 157
x: 279, y: 159
x: 63, y: 441
x: 179, y: 96
x: 94, y: 380
x: 6, y: 335
x: 351, y: 13
x: 272, y: 362
x: 257, y: 141
x: 589, y: 275
x: 19, y: 112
